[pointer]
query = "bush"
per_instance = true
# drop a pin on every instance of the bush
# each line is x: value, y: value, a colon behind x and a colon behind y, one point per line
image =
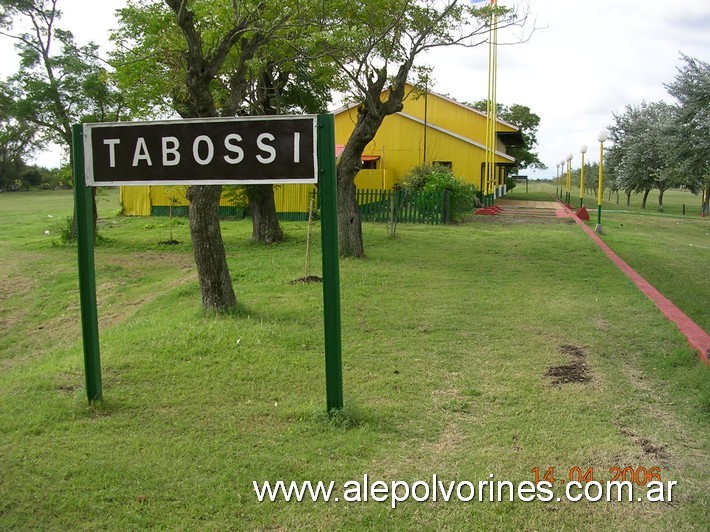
x: 236, y: 195
x: 66, y: 235
x: 437, y: 179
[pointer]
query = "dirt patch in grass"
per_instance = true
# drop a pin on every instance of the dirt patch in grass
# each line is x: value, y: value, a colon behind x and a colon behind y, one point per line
x: 657, y: 452
x: 14, y: 285
x: 600, y: 323
x: 123, y: 308
x: 182, y: 261
x: 576, y: 371
x: 62, y: 325
x: 306, y: 280
x: 653, y: 450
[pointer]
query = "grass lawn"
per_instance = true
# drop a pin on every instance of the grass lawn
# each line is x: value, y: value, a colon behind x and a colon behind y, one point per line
x: 457, y: 342
x: 671, y: 251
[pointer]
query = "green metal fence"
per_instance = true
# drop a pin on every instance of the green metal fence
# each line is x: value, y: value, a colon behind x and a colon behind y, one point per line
x: 225, y: 211
x: 405, y: 206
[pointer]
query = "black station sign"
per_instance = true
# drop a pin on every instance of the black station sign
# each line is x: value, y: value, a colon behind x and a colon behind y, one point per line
x: 213, y: 151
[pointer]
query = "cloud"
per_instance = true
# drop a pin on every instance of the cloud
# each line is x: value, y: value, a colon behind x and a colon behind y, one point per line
x: 587, y: 61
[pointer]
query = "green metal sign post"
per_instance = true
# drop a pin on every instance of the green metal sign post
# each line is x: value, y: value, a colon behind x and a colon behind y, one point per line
x: 95, y: 151
x: 331, y: 273
x: 87, y: 273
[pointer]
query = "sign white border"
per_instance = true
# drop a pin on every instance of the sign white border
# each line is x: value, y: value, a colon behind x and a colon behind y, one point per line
x: 89, y: 163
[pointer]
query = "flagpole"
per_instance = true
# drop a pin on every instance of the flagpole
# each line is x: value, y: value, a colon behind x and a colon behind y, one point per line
x: 491, y: 107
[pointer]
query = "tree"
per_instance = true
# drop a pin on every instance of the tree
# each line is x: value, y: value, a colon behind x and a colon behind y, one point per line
x: 17, y: 140
x: 691, y: 88
x: 58, y: 83
x: 202, y: 64
x: 262, y: 74
x: 527, y: 122
x: 376, y: 45
x: 282, y: 83
x: 642, y: 153
x: 198, y: 59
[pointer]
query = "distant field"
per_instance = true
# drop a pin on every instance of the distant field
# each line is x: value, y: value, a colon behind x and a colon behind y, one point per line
x: 673, y: 199
x: 470, y: 350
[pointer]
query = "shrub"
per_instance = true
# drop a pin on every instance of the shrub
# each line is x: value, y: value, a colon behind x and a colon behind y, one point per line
x: 66, y: 233
x: 437, y: 179
x: 236, y: 195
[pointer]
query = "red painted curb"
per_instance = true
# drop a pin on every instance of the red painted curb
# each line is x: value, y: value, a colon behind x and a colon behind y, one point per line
x: 696, y: 336
x: 582, y: 213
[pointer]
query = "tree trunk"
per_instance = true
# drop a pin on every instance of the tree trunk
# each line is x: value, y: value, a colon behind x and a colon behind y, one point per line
x: 208, y: 248
x: 265, y: 222
x: 197, y: 101
x: 628, y: 198
x: 705, y: 209
x: 95, y: 216
x: 645, y: 197
x: 660, y: 198
x: 94, y: 210
x: 350, y: 241
x: 349, y: 225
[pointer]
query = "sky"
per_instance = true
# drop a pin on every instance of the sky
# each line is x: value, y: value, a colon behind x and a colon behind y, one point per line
x: 583, y: 62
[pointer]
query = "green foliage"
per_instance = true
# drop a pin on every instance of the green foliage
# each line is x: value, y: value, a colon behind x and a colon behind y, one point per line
x: 17, y: 140
x: 149, y: 69
x: 691, y: 88
x: 657, y: 145
x: 66, y: 232
x: 272, y: 68
x: 527, y: 122
x: 437, y: 179
x: 59, y: 83
x: 641, y: 157
x: 237, y: 195
x: 62, y: 177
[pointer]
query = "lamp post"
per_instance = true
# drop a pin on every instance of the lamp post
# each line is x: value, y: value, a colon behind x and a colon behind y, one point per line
x: 569, y: 177
x: 582, y: 150
x: 562, y: 173
x: 557, y: 174
x: 601, y: 137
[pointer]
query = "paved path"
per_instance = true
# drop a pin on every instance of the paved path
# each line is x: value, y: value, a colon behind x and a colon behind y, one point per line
x: 505, y: 203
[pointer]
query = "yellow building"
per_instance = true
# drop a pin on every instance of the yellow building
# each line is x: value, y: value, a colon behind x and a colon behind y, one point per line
x: 160, y: 200
x: 430, y: 129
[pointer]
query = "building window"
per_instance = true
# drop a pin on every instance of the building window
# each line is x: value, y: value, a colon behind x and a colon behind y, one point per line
x: 445, y: 164
x: 369, y: 162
